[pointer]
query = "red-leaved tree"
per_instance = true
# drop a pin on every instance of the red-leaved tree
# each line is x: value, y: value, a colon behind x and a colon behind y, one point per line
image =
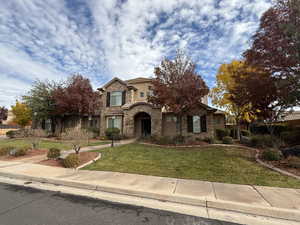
x: 276, y: 47
x: 76, y: 97
x: 3, y: 114
x: 177, y: 86
x: 258, y: 89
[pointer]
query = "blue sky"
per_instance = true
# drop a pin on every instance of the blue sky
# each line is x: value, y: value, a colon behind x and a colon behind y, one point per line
x: 102, y: 39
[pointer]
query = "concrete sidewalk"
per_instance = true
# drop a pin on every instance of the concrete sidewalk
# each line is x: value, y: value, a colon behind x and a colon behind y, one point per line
x: 281, y: 203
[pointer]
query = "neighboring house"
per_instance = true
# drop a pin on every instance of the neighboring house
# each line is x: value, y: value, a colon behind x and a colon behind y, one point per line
x: 125, y: 106
x: 219, y: 119
x: 10, y: 118
x: 292, y: 119
x: 8, y: 124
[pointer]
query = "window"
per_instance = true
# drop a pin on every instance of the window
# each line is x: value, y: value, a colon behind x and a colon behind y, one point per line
x: 171, y: 118
x: 196, y: 124
x: 116, y: 98
x: 149, y: 93
x: 142, y: 94
x: 114, y: 122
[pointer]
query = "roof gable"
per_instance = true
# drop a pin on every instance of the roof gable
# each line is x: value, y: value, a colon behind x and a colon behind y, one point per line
x: 113, y: 81
x: 138, y: 80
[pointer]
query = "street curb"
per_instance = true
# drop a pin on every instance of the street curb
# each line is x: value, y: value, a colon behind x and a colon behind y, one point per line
x: 89, y: 162
x: 273, y: 212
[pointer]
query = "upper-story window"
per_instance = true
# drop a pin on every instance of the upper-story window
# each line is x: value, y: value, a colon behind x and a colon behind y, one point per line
x: 149, y: 93
x: 116, y: 98
x: 142, y: 94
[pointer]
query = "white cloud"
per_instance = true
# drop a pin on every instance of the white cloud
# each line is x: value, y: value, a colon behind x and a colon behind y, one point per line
x: 102, y: 39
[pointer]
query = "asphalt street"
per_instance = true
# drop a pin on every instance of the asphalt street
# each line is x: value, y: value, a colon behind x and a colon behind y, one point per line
x: 27, y: 206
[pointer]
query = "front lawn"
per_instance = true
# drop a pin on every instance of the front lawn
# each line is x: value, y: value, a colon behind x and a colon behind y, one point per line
x: 45, y: 144
x: 217, y: 164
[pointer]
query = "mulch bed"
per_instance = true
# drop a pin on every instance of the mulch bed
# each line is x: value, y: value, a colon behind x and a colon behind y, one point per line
x: 30, y: 153
x: 84, y: 157
x: 283, y: 164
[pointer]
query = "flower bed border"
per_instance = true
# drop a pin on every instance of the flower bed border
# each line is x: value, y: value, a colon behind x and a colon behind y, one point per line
x: 89, y: 162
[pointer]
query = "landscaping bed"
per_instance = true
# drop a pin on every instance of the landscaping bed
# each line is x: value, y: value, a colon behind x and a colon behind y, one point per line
x: 84, y: 157
x: 29, y: 153
x: 283, y: 164
x: 209, y: 163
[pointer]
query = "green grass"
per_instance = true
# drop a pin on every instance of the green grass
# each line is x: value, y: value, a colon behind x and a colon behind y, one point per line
x: 217, y: 164
x: 45, y: 144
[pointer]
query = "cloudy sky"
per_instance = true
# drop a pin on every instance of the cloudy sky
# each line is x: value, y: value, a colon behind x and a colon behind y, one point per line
x: 102, y: 39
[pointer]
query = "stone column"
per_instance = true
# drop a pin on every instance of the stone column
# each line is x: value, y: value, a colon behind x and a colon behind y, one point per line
x: 128, y: 124
x: 102, y: 124
x: 132, y: 96
x: 156, y: 122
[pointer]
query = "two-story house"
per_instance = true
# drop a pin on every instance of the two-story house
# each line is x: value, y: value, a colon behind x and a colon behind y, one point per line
x: 125, y: 106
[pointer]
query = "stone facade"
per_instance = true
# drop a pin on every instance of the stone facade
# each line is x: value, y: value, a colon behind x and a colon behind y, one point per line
x: 130, y: 120
x: 136, y: 114
x: 171, y: 128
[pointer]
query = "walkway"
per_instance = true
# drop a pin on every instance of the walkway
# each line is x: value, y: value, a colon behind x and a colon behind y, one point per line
x: 91, y: 148
x: 271, y: 202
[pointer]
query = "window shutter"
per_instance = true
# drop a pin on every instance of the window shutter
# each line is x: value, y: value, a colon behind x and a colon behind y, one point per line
x: 190, y: 124
x: 123, y: 97
x: 203, y: 124
x: 108, y: 99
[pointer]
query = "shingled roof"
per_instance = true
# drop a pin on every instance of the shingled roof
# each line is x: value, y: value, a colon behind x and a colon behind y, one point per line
x: 292, y: 116
x: 138, y: 80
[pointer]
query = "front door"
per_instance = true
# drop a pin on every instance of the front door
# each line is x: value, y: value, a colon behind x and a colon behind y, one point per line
x: 146, y: 127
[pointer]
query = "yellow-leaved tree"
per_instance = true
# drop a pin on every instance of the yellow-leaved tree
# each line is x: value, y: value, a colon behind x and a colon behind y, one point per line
x: 221, y: 95
x: 22, y: 114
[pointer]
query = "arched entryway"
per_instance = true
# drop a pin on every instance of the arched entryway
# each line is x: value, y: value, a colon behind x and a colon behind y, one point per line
x: 142, y: 124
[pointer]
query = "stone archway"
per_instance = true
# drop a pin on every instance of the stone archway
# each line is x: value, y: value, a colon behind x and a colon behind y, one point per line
x: 145, y: 110
x: 142, y: 124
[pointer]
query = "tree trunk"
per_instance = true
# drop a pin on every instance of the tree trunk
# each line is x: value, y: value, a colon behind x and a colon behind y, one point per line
x: 238, y: 129
x: 180, y: 124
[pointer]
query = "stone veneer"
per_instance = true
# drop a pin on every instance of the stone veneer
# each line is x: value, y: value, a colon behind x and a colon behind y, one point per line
x: 159, y: 126
x: 129, y: 118
x: 169, y: 127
